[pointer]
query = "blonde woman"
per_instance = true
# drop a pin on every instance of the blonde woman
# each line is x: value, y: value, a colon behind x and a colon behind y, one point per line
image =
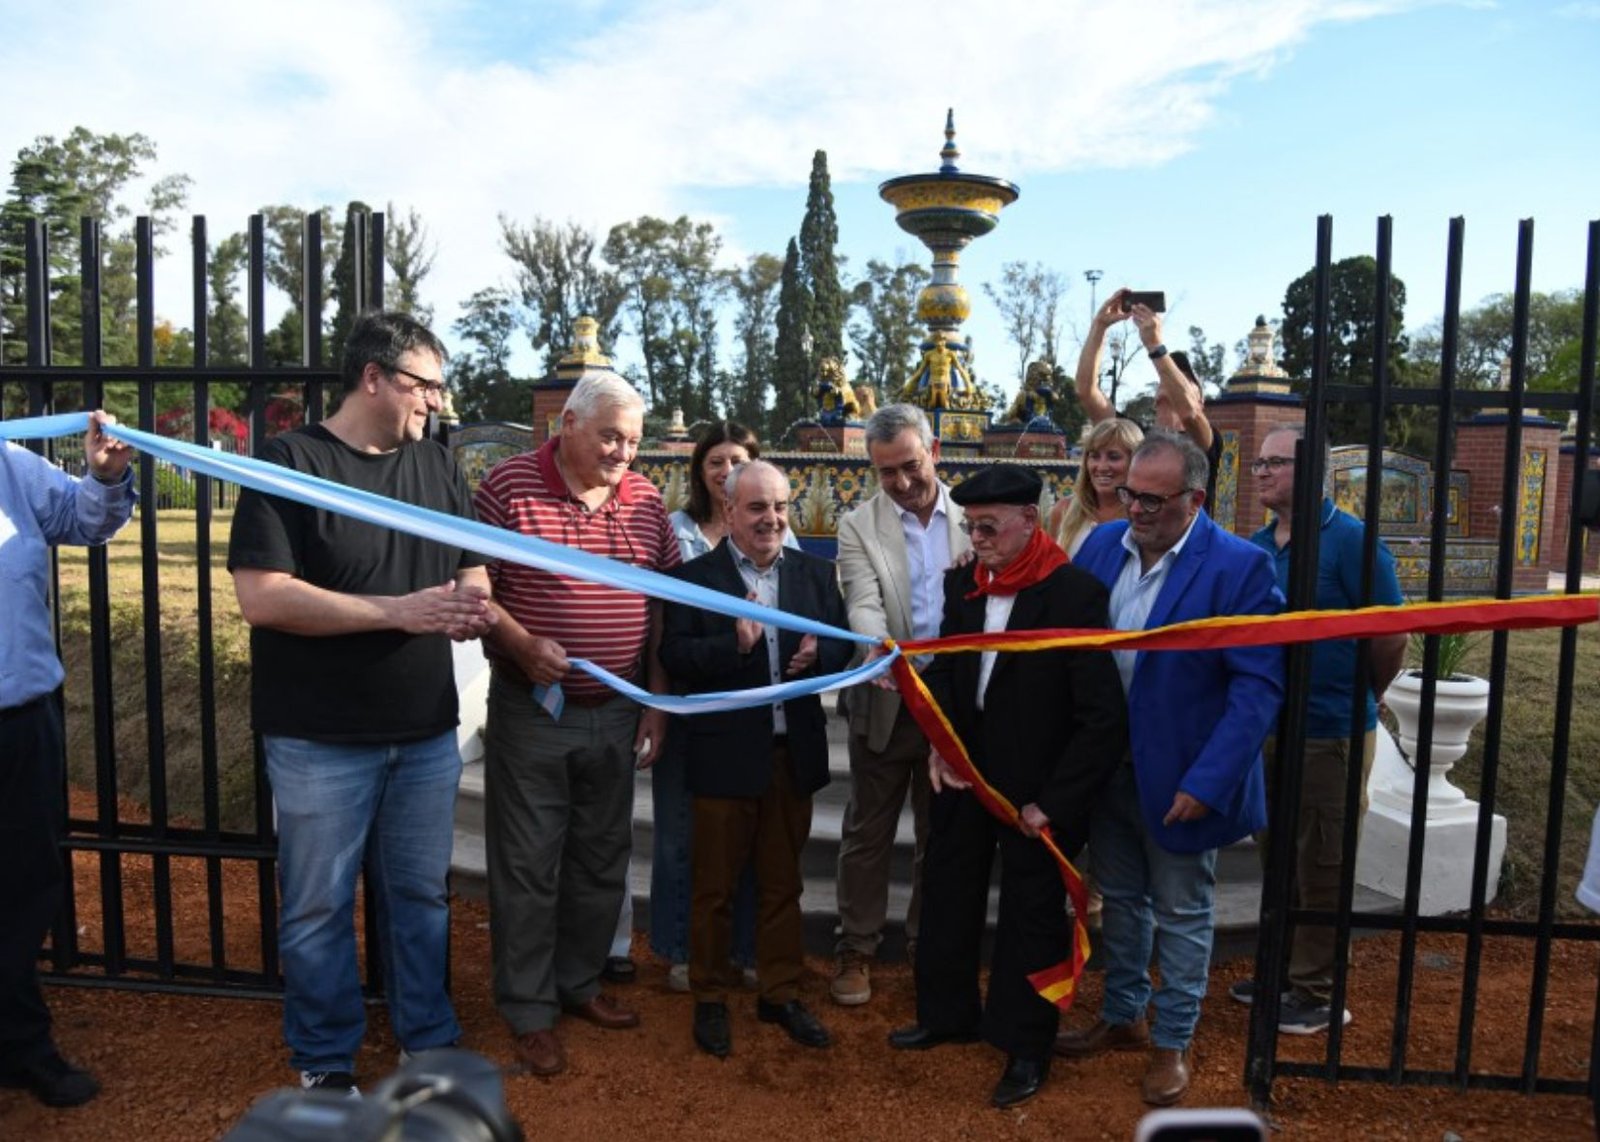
x: 1107, y: 451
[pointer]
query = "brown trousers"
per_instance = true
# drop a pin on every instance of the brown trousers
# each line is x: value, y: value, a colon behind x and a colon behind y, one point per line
x: 768, y: 831
x: 1319, y: 853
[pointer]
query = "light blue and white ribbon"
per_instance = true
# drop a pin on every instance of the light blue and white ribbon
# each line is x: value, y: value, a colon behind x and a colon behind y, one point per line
x: 494, y: 542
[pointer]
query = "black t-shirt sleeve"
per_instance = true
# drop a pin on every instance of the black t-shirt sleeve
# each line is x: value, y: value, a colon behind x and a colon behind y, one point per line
x: 266, y: 532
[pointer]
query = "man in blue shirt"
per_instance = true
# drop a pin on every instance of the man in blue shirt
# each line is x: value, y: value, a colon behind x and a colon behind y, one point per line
x: 40, y: 506
x: 1319, y: 837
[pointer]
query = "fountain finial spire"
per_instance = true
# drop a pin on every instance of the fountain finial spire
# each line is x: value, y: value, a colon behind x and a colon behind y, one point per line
x: 950, y: 152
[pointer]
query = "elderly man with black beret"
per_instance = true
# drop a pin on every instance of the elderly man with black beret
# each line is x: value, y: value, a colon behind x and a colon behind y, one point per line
x: 1045, y: 728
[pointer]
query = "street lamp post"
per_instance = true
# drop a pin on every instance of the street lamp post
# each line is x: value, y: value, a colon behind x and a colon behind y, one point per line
x: 1093, y: 278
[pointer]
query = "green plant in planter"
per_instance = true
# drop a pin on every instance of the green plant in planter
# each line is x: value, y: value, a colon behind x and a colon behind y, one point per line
x: 1453, y: 651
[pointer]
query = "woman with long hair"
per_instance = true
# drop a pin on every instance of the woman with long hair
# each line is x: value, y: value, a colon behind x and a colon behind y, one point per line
x: 1107, y: 452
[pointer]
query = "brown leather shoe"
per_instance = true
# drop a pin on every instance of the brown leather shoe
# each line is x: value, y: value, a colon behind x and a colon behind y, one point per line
x: 541, y: 1053
x: 1103, y: 1037
x: 1167, y: 1076
x: 603, y: 1011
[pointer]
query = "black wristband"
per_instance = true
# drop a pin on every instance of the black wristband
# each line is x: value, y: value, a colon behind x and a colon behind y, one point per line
x: 1157, y: 353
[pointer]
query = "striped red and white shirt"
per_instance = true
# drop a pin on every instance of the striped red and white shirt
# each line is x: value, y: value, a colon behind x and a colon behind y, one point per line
x: 606, y: 625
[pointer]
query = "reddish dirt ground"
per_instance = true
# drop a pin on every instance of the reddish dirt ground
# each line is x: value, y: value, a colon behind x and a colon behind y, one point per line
x: 187, y: 1068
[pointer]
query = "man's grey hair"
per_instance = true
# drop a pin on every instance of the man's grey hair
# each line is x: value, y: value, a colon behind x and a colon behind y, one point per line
x: 598, y: 390
x: 1196, y: 468
x: 730, y: 486
x: 891, y: 420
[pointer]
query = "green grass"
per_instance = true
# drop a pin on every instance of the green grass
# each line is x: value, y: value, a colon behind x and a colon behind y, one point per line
x: 1522, y: 792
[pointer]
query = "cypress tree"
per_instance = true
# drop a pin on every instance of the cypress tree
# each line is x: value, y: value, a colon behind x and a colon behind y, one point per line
x: 791, y: 368
x: 819, y: 267
x: 345, y: 273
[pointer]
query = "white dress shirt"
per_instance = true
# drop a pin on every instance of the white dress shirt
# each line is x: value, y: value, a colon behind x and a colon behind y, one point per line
x: 1135, y: 594
x: 764, y: 585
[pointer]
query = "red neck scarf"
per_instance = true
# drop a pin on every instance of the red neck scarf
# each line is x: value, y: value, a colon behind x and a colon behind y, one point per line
x: 1033, y: 564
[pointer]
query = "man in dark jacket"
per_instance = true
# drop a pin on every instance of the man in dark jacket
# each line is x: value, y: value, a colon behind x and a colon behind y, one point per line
x: 752, y: 771
x: 1045, y: 728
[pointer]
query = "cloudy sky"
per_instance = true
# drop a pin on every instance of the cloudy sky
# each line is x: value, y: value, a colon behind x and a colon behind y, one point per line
x: 1186, y: 146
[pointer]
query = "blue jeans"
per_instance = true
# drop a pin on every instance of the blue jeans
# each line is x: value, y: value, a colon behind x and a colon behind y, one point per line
x: 389, y: 807
x: 1145, y: 888
x: 670, y: 881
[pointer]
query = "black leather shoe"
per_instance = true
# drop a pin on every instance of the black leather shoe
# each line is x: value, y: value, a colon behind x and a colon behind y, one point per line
x: 619, y: 969
x: 918, y: 1038
x: 711, y: 1032
x: 1020, y: 1081
x: 803, y: 1027
x: 51, y: 1079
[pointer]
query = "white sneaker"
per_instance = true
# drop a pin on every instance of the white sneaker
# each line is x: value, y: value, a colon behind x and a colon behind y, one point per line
x: 678, y: 978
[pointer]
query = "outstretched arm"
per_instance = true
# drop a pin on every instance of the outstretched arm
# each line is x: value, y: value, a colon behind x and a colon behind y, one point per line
x: 1095, y: 405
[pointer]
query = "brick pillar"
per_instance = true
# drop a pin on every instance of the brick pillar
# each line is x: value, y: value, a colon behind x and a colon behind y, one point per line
x: 1555, y: 552
x: 549, y: 398
x: 1243, y: 420
x: 1481, y: 453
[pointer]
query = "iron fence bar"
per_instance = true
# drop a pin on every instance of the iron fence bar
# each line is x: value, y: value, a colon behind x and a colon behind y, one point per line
x: 1458, y: 925
x: 1412, y: 894
x: 1276, y: 899
x: 249, y: 987
x: 256, y: 276
x: 210, y: 770
x: 375, y: 275
x: 1510, y: 502
x: 1361, y: 681
x: 1418, y: 1077
x: 102, y: 693
x: 150, y: 559
x: 356, y: 228
x: 188, y: 843
x: 161, y: 374
x: 1580, y: 465
x: 311, y: 310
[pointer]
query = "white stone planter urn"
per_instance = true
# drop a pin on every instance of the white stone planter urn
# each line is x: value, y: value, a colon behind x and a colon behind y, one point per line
x: 1460, y: 703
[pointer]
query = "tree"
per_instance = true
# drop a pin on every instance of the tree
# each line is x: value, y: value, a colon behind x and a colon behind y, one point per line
x: 410, y: 255
x: 347, y: 279
x: 285, y: 270
x: 559, y: 279
x: 791, y: 365
x: 1029, y: 298
x: 755, y: 289
x: 1353, y: 285
x: 226, y: 336
x: 819, y: 266
x: 480, y: 376
x: 886, y: 331
x: 1208, y: 359
x: 61, y: 181
x: 668, y: 273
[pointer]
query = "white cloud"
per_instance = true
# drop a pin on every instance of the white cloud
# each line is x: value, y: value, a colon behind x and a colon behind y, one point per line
x: 601, y: 116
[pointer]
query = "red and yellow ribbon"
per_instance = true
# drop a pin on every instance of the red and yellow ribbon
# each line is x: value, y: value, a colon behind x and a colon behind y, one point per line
x: 1059, y: 983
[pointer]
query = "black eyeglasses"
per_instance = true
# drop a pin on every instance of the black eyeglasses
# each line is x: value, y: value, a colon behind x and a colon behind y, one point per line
x: 429, y: 387
x: 1148, y: 502
x: 1270, y: 464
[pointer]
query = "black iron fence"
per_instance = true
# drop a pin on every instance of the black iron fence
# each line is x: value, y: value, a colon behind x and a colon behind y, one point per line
x: 119, y: 928
x: 1279, y: 913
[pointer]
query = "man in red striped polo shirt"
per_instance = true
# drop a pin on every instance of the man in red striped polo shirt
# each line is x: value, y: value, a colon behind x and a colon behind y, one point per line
x: 558, y: 789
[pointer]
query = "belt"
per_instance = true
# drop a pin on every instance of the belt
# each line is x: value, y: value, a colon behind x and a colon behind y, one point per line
x: 512, y: 676
x: 27, y: 707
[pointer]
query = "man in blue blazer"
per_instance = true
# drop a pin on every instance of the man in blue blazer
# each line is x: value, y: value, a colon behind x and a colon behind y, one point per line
x: 1195, y: 782
x: 752, y: 771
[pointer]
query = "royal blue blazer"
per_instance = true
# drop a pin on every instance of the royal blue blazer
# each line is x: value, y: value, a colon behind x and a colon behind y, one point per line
x: 1197, y: 718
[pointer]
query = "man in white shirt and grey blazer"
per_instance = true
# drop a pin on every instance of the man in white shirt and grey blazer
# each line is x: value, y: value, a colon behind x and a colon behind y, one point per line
x: 893, y: 552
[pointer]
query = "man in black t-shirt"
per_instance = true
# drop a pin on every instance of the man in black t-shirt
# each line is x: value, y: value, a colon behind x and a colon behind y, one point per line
x: 353, y: 693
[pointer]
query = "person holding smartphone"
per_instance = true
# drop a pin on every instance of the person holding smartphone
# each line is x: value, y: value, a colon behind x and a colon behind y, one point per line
x: 1180, y: 399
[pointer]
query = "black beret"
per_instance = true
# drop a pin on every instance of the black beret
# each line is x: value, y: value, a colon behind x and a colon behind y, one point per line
x: 999, y: 484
